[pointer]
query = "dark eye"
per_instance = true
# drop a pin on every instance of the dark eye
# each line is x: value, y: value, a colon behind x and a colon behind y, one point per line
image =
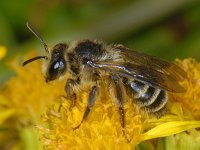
x: 56, y: 69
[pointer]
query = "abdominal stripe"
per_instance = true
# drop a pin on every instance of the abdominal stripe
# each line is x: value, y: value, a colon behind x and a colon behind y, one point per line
x: 148, y: 97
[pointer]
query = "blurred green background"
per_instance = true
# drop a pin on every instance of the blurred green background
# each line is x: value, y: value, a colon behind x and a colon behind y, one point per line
x: 168, y: 29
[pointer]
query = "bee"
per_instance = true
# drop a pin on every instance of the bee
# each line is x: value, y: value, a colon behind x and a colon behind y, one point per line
x: 146, y: 79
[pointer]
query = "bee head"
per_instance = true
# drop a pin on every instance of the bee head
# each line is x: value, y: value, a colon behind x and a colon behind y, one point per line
x: 57, y: 64
x: 55, y: 58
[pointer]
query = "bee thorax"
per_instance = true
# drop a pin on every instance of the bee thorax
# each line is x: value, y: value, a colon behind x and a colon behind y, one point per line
x: 89, y: 50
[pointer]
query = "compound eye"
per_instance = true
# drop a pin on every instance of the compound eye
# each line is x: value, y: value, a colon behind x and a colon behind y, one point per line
x: 56, y: 69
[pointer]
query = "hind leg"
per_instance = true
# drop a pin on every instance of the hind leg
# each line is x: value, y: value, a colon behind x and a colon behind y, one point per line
x: 120, y: 102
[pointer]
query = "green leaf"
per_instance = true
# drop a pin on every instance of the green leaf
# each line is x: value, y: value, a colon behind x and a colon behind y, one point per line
x: 188, y: 141
x: 29, y: 138
x: 181, y: 141
x: 167, y: 143
x: 146, y: 145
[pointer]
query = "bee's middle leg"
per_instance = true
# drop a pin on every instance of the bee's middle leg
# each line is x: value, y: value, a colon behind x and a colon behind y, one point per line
x: 90, y: 103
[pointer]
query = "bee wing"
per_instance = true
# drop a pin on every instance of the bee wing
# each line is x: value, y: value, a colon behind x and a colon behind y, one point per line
x: 151, y: 62
x: 146, y: 69
x: 143, y: 74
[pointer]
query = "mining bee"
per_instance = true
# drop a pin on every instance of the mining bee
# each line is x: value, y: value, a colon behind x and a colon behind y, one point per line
x: 144, y: 78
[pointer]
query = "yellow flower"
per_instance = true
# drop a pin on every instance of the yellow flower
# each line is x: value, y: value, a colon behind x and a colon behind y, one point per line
x: 191, y: 99
x: 29, y: 96
x: 23, y: 90
x: 102, y: 129
x: 23, y: 98
x: 3, y: 51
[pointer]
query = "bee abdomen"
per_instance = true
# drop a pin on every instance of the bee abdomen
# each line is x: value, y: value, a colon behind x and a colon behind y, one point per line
x: 147, y: 97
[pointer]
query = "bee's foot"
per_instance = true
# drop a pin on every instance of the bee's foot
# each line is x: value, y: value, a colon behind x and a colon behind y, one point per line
x: 73, y: 99
x: 125, y: 136
x: 77, y: 126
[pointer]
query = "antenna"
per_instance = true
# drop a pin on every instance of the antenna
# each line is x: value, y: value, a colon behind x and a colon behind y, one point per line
x: 33, y: 59
x: 38, y: 36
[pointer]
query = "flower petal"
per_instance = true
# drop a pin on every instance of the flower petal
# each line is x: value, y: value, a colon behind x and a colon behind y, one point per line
x: 169, y: 128
x: 3, y: 51
x: 5, y: 114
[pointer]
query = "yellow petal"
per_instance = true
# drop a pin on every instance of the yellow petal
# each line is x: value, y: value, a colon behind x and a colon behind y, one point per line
x: 5, y: 114
x: 3, y: 51
x: 169, y: 128
x: 4, y: 100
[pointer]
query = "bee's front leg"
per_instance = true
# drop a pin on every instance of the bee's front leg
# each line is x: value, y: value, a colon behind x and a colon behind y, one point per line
x: 71, y: 95
x: 70, y: 92
x: 90, y: 104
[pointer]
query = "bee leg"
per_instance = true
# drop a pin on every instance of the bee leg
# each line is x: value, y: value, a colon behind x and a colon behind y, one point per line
x: 90, y: 103
x: 60, y: 106
x: 120, y: 103
x: 70, y: 94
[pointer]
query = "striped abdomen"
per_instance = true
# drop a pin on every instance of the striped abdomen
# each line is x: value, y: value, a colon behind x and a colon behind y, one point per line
x: 151, y: 99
